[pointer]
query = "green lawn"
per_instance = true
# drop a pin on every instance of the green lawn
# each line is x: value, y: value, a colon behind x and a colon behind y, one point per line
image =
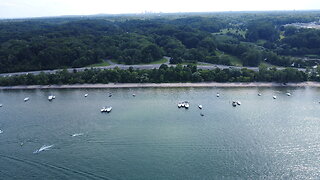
x: 161, y: 61
x: 233, y: 59
x: 232, y: 31
x: 99, y: 64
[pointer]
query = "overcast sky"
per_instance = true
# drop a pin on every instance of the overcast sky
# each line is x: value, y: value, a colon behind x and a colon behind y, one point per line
x: 40, y: 8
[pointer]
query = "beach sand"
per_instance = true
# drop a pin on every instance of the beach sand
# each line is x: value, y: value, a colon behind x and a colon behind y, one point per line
x: 163, y: 85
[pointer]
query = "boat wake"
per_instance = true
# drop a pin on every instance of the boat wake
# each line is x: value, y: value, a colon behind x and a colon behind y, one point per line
x: 43, y: 148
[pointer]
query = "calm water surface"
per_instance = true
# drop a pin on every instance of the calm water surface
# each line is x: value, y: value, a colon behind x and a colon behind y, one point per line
x: 148, y: 137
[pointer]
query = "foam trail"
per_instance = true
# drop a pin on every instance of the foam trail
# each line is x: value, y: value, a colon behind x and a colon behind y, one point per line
x: 77, y: 134
x: 43, y: 148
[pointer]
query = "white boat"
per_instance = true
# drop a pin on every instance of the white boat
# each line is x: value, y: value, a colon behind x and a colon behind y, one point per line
x: 218, y: 95
x: 108, y: 109
x: 200, y: 106
x: 288, y: 94
x: 50, y: 98
x: 103, y: 109
x: 26, y: 99
x: 186, y: 105
x: 86, y: 95
x: 0, y: 105
x: 234, y: 103
x: 43, y: 148
x: 238, y: 103
x: 179, y: 105
x: 274, y: 97
x: 259, y: 94
x: 77, y: 134
x: 53, y: 97
x: 1, y: 131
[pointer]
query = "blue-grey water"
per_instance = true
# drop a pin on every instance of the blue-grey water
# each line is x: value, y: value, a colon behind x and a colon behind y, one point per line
x: 148, y: 137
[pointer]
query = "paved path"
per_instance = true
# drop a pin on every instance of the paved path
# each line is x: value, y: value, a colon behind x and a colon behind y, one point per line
x: 148, y: 66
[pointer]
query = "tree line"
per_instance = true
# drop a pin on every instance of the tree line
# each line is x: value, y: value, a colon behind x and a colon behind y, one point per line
x: 164, y: 74
x: 38, y: 44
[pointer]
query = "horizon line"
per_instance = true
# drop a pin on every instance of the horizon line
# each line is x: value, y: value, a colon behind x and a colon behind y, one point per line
x: 153, y: 13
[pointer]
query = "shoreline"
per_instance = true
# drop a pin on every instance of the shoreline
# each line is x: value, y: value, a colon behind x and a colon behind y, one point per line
x: 161, y: 85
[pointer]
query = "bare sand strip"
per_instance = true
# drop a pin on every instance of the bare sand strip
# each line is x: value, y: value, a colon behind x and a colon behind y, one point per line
x: 162, y: 85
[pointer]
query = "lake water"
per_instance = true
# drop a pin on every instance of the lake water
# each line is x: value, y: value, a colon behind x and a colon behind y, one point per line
x: 148, y: 137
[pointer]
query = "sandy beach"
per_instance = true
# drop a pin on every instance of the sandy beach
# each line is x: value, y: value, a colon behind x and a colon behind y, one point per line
x: 162, y: 85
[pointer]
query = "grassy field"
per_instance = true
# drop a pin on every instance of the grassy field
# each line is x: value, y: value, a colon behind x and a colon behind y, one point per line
x: 161, y: 61
x: 233, y: 31
x: 99, y: 64
x: 233, y: 60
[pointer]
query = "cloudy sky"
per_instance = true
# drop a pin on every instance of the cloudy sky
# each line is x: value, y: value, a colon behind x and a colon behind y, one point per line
x: 40, y: 8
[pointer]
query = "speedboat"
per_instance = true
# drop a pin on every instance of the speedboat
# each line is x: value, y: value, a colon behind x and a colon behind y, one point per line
x: 288, y: 94
x: 200, y: 106
x: 186, y: 105
x: 234, y: 103
x: 108, y: 109
x: 103, y: 109
x: 86, y: 95
x: 274, y: 97
x: 26, y: 99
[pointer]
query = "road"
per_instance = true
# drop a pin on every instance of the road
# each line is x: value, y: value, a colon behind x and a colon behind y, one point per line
x: 148, y: 66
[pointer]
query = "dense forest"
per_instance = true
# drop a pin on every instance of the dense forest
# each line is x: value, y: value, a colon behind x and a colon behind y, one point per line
x: 164, y: 74
x: 242, y: 39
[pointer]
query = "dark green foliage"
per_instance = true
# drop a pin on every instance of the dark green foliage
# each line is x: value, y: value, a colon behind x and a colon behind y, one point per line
x: 38, y: 44
x: 164, y: 74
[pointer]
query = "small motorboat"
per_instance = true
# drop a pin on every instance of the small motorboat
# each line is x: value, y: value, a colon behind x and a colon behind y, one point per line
x: 234, y: 103
x: 134, y: 95
x: 259, y: 94
x: 288, y: 94
x: 0, y: 105
x: 218, y: 95
x: 103, y: 109
x: 108, y: 109
x: 179, y: 105
x: 238, y: 103
x: 274, y: 97
x: 50, y: 98
x: 53, y: 97
x: 186, y: 105
x: 110, y: 94
x: 1, y: 131
x: 26, y: 99
x: 86, y: 95
x: 200, y: 106
x: 201, y: 114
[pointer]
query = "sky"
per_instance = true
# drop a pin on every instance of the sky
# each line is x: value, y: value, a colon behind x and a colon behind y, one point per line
x: 44, y: 8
